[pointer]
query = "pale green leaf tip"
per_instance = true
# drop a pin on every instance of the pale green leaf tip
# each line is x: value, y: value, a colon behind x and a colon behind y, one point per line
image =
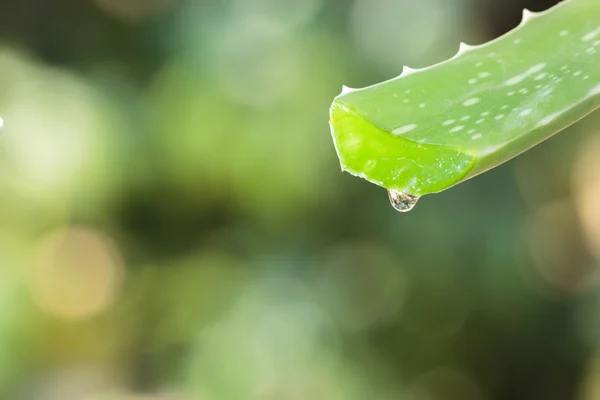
x: 391, y: 161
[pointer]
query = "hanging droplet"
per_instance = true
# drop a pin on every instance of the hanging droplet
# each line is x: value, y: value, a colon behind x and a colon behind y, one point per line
x: 401, y: 201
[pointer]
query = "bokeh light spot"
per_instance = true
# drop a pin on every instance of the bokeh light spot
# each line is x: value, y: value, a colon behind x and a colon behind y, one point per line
x: 586, y: 190
x: 76, y: 273
x: 393, y: 33
x: 557, y: 250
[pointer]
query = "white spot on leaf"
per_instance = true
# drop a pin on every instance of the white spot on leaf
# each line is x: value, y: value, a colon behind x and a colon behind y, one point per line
x: 525, y: 112
x: 471, y: 101
x: 591, y: 35
x: 520, y: 78
x: 404, y: 129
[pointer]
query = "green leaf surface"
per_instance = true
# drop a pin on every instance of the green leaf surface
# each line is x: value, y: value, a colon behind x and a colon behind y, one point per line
x: 430, y: 129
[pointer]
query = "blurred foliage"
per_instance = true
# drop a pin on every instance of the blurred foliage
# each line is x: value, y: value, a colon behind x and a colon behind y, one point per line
x: 174, y: 224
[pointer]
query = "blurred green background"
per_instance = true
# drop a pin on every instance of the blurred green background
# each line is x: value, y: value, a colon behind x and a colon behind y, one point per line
x: 174, y: 223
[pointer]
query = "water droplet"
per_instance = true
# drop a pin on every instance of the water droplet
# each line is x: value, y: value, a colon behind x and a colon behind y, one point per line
x: 401, y: 201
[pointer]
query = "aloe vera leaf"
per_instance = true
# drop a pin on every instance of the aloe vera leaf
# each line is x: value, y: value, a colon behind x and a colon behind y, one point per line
x: 430, y: 129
